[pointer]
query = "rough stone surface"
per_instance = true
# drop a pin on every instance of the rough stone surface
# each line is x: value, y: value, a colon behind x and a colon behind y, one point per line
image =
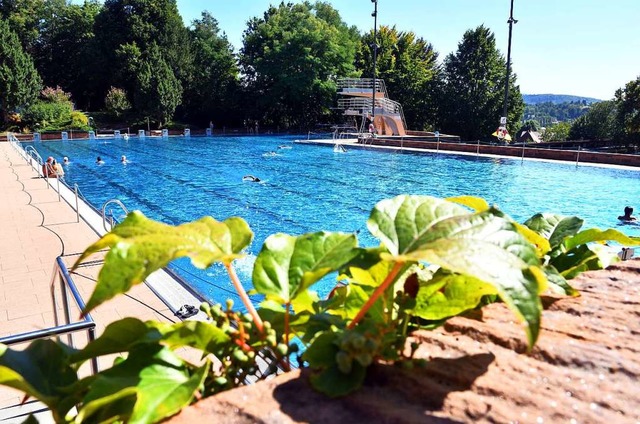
x: 584, y: 369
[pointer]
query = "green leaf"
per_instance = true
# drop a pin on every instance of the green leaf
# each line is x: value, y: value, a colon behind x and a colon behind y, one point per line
x: 287, y: 265
x: 554, y: 228
x: 557, y: 283
x: 110, y: 408
x: 333, y: 382
x: 119, y: 336
x: 125, y: 334
x: 162, y: 381
x: 583, y: 258
x: 42, y: 371
x: 322, y: 351
x: 139, y: 246
x: 453, y: 295
x: 403, y: 223
x: 597, y: 235
x: 483, y: 245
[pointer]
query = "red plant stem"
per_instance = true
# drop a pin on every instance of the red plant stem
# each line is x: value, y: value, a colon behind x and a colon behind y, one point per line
x: 376, y: 294
x: 244, y: 297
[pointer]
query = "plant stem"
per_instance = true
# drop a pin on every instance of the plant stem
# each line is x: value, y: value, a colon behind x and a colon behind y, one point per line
x: 376, y: 294
x: 286, y: 330
x: 244, y: 297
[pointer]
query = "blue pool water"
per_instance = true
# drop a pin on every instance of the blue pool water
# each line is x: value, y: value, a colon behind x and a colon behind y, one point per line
x: 308, y: 188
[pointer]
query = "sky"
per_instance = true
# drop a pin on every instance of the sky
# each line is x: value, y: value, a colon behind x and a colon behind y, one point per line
x: 585, y: 48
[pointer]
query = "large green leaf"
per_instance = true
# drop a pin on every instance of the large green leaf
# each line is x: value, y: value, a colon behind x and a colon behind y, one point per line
x: 554, y: 228
x: 125, y: 334
x: 41, y: 370
x: 140, y: 246
x: 448, y: 295
x: 583, y: 258
x: 483, y: 245
x: 404, y: 222
x: 288, y: 265
x: 162, y: 381
x: 597, y: 235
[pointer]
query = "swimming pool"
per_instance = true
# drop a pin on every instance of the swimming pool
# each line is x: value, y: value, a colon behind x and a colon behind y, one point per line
x: 307, y: 188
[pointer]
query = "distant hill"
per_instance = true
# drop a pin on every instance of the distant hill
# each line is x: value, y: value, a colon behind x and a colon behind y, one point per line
x: 534, y: 99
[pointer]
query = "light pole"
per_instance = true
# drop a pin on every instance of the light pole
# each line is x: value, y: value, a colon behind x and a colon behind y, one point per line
x: 375, y: 56
x: 511, y: 21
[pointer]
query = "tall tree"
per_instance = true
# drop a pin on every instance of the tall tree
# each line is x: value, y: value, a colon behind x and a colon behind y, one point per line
x: 158, y: 91
x: 24, y: 18
x: 627, y: 100
x: 19, y: 80
x: 125, y: 29
x: 473, y: 95
x: 211, y: 91
x: 408, y: 65
x: 63, y: 52
x: 290, y: 60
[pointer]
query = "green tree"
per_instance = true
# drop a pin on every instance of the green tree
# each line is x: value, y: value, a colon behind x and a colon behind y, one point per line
x: 64, y: 51
x: 473, y: 95
x: 598, y: 124
x: 627, y: 100
x: 125, y: 30
x: 530, y: 125
x: 557, y: 132
x: 290, y: 60
x: 408, y: 65
x: 211, y: 92
x: 19, y: 80
x: 158, y: 91
x: 24, y: 18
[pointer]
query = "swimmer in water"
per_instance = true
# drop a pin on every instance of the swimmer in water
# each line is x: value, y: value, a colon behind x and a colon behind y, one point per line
x: 124, y: 160
x: 284, y: 146
x: 99, y: 161
x: 628, y: 215
x: 65, y: 160
x: 251, y: 178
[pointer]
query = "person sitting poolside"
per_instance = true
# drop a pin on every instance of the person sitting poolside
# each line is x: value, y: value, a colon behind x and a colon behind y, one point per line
x: 251, y: 178
x: 99, y: 161
x: 628, y: 211
x: 48, y: 170
x: 57, y: 167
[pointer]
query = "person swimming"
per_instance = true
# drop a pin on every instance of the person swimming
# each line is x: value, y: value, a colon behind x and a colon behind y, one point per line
x: 124, y: 160
x: 628, y: 215
x: 251, y: 178
x: 284, y: 146
x: 99, y: 161
x: 65, y: 160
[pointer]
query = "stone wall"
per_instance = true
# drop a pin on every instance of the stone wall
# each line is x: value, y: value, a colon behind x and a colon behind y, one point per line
x: 584, y: 369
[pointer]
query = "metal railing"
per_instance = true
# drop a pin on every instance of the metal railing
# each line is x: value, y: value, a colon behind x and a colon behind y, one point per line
x: 361, y: 84
x: 112, y: 219
x: 362, y: 106
x: 67, y: 286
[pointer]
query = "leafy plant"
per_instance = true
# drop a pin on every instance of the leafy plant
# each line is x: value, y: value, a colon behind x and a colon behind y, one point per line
x: 437, y: 259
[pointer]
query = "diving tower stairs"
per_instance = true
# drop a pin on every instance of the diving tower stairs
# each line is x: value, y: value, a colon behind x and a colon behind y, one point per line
x: 356, y: 99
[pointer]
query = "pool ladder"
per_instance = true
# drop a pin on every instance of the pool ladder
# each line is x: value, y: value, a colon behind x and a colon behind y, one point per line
x: 112, y: 219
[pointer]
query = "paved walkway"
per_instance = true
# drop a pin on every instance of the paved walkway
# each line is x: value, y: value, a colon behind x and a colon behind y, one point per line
x: 36, y: 228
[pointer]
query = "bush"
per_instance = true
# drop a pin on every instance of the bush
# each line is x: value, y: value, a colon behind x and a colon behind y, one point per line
x: 47, y: 116
x: 117, y: 102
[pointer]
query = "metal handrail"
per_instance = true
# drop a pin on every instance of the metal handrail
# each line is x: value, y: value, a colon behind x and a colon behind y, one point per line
x: 87, y: 324
x: 104, y: 212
